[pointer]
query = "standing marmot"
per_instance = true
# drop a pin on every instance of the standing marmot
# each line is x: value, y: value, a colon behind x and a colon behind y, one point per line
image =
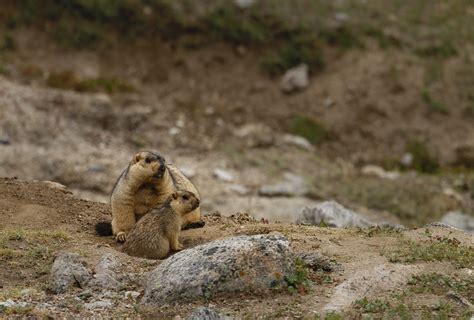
x: 146, y: 183
x: 158, y: 232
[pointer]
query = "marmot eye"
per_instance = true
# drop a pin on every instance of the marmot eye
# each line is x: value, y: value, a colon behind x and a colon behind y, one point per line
x: 185, y: 198
x: 147, y: 160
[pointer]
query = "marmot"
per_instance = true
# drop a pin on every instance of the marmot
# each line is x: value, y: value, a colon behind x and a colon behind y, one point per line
x: 146, y: 183
x: 158, y: 232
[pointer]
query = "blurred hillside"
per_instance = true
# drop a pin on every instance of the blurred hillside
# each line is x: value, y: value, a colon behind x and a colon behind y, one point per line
x: 85, y: 83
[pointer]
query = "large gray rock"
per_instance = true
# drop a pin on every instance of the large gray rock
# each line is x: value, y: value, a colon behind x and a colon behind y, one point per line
x: 291, y: 186
x: 68, y: 270
x: 238, y: 264
x: 459, y: 220
x: 105, y: 277
x: 332, y: 214
x: 204, y: 313
x: 295, y: 79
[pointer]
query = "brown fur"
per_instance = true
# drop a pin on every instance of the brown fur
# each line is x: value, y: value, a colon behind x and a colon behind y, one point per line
x: 141, y: 169
x: 158, y: 232
x: 139, y: 190
x: 155, y: 193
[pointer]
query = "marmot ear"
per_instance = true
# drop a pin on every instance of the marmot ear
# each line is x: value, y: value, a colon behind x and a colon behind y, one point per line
x: 174, y: 195
x: 137, y: 157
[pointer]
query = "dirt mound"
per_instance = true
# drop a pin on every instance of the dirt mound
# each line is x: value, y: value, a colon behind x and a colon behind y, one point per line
x: 42, y: 205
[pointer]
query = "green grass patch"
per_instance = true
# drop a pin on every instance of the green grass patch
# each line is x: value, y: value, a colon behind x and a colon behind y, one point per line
x: 409, y: 251
x: 441, y: 51
x: 298, y: 281
x: 309, y: 129
x: 434, y: 105
x: 440, y: 284
x: 423, y: 160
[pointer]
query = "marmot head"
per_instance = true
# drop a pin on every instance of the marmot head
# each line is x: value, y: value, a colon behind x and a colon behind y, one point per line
x: 183, y: 202
x: 149, y: 163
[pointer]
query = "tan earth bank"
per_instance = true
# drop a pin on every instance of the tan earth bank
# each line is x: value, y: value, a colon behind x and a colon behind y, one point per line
x: 374, y: 271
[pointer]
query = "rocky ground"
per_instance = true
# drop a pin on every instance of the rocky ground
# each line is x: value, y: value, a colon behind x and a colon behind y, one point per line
x: 273, y: 270
x: 335, y: 164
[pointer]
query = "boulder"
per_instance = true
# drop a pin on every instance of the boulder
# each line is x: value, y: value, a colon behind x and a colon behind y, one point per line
x: 331, y: 214
x: 459, y: 220
x: 68, y: 270
x: 204, y: 313
x: 238, y: 264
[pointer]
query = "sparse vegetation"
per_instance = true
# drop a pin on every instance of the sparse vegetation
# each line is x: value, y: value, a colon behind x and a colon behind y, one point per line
x: 445, y: 249
x: 307, y: 128
x: 423, y: 159
x: 298, y: 282
x: 433, y: 105
x: 68, y: 80
x: 440, y: 284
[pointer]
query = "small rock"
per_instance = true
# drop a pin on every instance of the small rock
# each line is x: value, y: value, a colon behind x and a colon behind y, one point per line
x: 205, y: 313
x: 173, y: 131
x: 68, y: 270
x: 316, y: 261
x: 131, y: 294
x: 238, y: 188
x: 295, y: 79
x: 291, y: 186
x: 238, y: 264
x: 244, y: 4
x: 223, y: 175
x: 341, y: 16
x: 459, y: 220
x: 331, y: 214
x: 407, y: 159
x: 105, y: 277
x: 450, y: 192
x: 100, y: 304
x: 96, y: 168
x: 297, y: 141
x: 11, y: 304
x: 55, y: 185
x: 328, y: 102
x: 376, y: 171
x: 5, y: 141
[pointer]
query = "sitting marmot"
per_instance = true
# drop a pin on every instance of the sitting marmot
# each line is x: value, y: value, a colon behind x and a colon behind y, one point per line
x: 146, y: 183
x: 158, y: 232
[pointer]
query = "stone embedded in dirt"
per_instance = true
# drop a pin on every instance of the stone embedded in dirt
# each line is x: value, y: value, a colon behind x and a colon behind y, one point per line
x: 238, y: 189
x: 4, y: 305
x: 131, y: 294
x: 105, y: 277
x: 295, y: 79
x: 316, y: 261
x: 291, y: 186
x: 4, y: 141
x: 376, y: 171
x: 238, y: 264
x: 297, y: 141
x: 331, y: 214
x: 459, y: 220
x: 369, y: 282
x: 223, y: 175
x: 68, y: 270
x: 407, y: 159
x: 100, y: 304
x: 205, y: 313
x: 55, y: 185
